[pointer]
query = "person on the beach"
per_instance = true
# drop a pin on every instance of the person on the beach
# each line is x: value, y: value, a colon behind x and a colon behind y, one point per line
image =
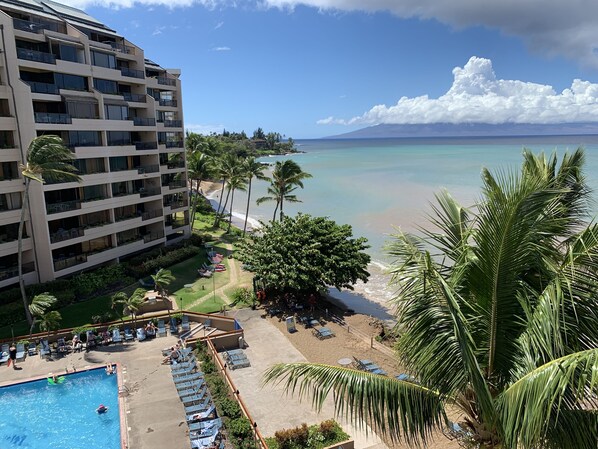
x: 12, y: 354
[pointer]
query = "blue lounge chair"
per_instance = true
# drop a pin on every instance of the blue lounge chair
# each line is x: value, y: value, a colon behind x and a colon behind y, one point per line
x: 21, y: 351
x: 196, y: 390
x: 197, y: 383
x: 185, y: 323
x: 116, y: 337
x: 178, y: 366
x: 204, y: 441
x: 32, y: 350
x: 129, y: 336
x: 45, y: 350
x: 192, y: 400
x: 198, y: 416
x: 174, y: 327
x: 215, y: 424
x: 188, y: 377
x: 161, y: 329
x: 201, y: 407
x: 4, y: 356
x: 323, y: 332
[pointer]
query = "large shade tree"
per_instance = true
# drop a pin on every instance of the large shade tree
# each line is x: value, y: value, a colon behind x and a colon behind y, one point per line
x: 305, y: 253
x: 287, y: 176
x: 47, y: 160
x: 497, y: 313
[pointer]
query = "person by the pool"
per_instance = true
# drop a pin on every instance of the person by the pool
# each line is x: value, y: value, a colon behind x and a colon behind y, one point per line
x: 12, y: 354
x: 102, y: 409
x: 109, y: 369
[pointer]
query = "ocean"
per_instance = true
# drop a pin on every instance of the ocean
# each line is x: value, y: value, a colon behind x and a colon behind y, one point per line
x: 379, y: 185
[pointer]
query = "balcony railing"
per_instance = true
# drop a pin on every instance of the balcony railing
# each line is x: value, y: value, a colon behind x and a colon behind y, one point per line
x: 148, y: 169
x: 131, y: 216
x: 149, y: 192
x: 43, y: 88
x: 121, y: 48
x: 54, y: 118
x: 177, y: 184
x: 34, y: 27
x: 128, y: 240
x: 120, y: 143
x: 153, y: 236
x: 171, y: 165
x: 170, y: 103
x: 137, y: 98
x: 175, y: 204
x: 132, y: 73
x: 146, y: 145
x: 177, y: 223
x: 11, y: 272
x: 174, y: 144
x: 62, y: 263
x: 66, y: 206
x: 173, y: 123
x: 66, y: 234
x: 166, y: 81
x: 37, y: 56
x: 152, y: 214
x: 142, y: 121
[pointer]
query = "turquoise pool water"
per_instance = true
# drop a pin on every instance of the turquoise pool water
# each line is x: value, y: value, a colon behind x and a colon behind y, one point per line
x: 36, y: 415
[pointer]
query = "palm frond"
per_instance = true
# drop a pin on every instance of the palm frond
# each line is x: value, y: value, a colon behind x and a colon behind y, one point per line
x: 530, y: 407
x: 40, y: 303
x: 399, y: 409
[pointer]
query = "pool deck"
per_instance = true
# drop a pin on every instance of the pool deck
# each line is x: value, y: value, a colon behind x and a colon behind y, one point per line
x: 154, y: 414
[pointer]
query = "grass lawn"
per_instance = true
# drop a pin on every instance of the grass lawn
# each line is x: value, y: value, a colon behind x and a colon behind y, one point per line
x: 209, y: 305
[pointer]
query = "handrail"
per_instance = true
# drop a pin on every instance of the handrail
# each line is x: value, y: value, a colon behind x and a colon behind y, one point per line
x: 256, y: 432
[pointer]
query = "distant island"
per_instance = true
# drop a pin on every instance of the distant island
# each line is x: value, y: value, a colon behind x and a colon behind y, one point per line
x: 469, y: 130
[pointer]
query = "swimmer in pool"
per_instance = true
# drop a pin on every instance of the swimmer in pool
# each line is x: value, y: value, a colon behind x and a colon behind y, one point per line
x: 102, y: 409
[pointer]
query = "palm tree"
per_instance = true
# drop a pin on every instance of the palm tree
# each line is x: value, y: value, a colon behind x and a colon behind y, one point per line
x: 231, y: 168
x: 286, y: 177
x: 224, y: 168
x: 131, y: 303
x: 497, y: 318
x: 39, y: 304
x: 199, y: 167
x: 236, y: 182
x: 47, y: 159
x: 161, y: 279
x: 252, y: 169
x: 116, y: 300
x: 50, y: 321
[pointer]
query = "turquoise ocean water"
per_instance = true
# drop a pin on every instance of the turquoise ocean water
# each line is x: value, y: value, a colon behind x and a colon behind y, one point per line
x: 378, y: 184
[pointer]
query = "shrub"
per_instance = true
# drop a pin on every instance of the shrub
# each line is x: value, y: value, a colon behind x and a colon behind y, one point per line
x: 240, y: 428
x: 228, y: 407
x: 290, y: 438
x: 242, y: 295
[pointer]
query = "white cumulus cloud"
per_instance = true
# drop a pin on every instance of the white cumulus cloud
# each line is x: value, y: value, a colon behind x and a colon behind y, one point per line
x: 477, y: 96
x: 554, y: 27
x: 220, y: 49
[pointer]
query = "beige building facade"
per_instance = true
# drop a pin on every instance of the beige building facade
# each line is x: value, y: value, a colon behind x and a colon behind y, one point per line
x: 64, y: 73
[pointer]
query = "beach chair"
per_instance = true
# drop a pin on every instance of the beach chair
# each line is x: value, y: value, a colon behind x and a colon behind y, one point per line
x: 191, y: 361
x: 4, y: 356
x: 174, y: 327
x: 141, y: 334
x: 203, y: 425
x: 201, y: 415
x: 32, y: 350
x: 184, y: 372
x: 116, y: 337
x: 188, y: 377
x: 192, y: 400
x: 199, y: 389
x: 323, y: 332
x: 21, y: 351
x: 201, y: 407
x: 199, y: 382
x: 204, y: 441
x: 90, y: 339
x: 185, y: 323
x: 45, y: 350
x: 61, y: 347
x: 161, y: 329
x: 129, y: 336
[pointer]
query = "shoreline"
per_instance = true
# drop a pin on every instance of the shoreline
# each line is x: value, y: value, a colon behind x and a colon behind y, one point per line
x: 371, y: 299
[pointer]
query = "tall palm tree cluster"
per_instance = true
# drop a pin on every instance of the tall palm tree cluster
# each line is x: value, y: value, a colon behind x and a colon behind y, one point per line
x: 237, y: 173
x: 497, y: 320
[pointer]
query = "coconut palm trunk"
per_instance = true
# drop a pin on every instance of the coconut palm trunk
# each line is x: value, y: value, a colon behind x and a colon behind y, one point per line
x: 221, y: 214
x: 220, y: 201
x: 24, y: 208
x: 247, y: 208
x: 230, y: 215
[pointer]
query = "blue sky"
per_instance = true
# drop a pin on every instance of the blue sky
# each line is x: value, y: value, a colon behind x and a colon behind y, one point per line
x: 317, y: 68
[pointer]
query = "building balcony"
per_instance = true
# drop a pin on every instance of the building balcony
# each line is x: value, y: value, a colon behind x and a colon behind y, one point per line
x: 168, y: 103
x: 63, y: 262
x: 36, y: 56
x: 152, y: 214
x: 176, y: 185
x: 153, y: 236
x: 144, y: 169
x: 177, y: 223
x: 146, y: 146
x: 173, y: 165
x: 67, y: 234
x: 176, y: 204
x: 174, y: 144
x: 122, y: 241
x: 132, y: 73
x: 141, y: 121
x: 149, y: 192
x: 43, y: 88
x: 66, y: 206
x: 34, y: 27
x: 122, y: 48
x: 132, y: 216
x: 135, y: 98
x: 53, y: 118
x: 173, y: 123
x: 166, y: 81
x: 11, y: 272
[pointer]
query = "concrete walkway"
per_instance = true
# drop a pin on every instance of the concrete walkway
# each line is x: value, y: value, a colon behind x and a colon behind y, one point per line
x: 270, y: 407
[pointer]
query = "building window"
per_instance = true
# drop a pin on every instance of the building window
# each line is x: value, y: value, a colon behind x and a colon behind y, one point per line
x: 71, y: 82
x: 84, y: 139
x: 103, y: 60
x: 116, y: 112
x: 82, y: 109
x: 106, y: 86
x: 119, y: 138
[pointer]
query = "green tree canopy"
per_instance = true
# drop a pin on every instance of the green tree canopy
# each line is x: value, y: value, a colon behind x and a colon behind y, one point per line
x: 497, y: 313
x: 306, y: 253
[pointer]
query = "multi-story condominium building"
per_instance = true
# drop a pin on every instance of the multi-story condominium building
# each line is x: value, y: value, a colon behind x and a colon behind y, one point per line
x: 64, y: 73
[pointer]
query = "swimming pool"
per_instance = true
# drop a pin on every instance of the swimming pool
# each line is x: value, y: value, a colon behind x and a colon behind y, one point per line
x: 37, y: 415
